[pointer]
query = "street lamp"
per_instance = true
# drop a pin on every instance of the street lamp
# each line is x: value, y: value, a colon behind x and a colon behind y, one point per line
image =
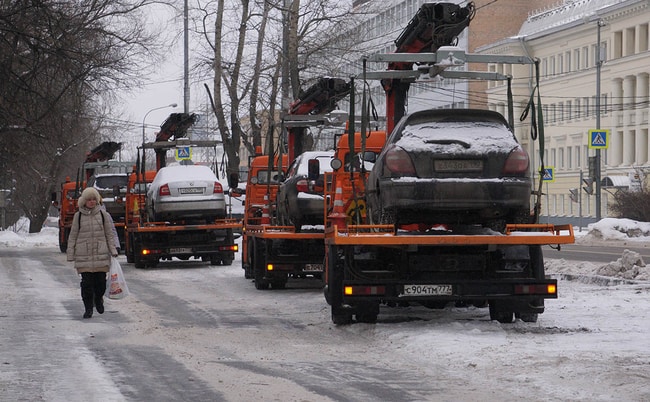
x: 147, y: 114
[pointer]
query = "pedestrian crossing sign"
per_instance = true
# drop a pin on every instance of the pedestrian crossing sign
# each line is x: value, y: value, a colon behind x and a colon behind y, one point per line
x: 598, y: 139
x: 183, y: 153
x: 549, y: 174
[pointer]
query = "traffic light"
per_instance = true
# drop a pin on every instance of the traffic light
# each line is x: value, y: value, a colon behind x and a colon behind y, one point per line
x: 589, y: 188
x: 574, y: 194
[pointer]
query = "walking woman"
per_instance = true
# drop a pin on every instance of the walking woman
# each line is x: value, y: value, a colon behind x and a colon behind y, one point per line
x: 90, y: 246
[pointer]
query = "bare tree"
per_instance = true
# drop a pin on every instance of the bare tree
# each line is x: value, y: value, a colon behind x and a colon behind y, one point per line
x: 56, y: 60
x: 259, y: 50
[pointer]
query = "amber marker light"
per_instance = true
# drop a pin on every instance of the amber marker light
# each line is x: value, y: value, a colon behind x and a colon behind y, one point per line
x: 269, y: 267
x: 348, y: 290
x: 551, y: 289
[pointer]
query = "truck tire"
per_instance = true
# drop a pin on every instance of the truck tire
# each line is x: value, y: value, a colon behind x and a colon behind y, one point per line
x: 258, y: 265
x: 367, y: 312
x: 499, y: 313
x: 340, y: 316
x: 248, y: 268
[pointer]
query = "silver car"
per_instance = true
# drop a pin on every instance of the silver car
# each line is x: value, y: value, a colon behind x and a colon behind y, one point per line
x: 186, y: 192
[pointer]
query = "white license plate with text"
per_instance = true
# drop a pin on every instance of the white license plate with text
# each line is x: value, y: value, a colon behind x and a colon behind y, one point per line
x: 180, y: 250
x: 426, y: 290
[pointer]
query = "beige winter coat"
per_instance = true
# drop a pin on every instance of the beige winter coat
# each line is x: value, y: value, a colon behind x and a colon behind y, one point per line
x: 91, y: 243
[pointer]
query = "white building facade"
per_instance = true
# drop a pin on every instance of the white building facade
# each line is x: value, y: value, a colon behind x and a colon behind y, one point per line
x: 564, y: 39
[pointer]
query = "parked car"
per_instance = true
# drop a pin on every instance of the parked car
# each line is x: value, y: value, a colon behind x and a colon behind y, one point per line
x: 459, y: 166
x: 109, y: 185
x: 299, y: 199
x: 189, y: 192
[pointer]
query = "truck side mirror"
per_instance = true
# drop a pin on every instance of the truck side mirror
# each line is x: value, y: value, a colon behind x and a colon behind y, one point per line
x: 313, y: 169
x: 233, y: 180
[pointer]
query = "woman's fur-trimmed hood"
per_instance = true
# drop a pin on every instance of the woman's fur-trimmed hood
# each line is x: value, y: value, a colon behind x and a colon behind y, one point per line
x: 89, y: 193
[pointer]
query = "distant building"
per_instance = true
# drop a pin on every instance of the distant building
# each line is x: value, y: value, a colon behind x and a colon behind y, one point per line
x: 564, y: 39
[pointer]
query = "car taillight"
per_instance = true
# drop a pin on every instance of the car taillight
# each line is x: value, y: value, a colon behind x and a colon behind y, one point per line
x: 517, y: 162
x: 398, y: 161
x: 217, y: 188
x: 302, y: 185
x: 164, y: 190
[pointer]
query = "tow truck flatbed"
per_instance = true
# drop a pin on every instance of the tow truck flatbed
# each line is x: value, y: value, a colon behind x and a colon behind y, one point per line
x: 386, y: 235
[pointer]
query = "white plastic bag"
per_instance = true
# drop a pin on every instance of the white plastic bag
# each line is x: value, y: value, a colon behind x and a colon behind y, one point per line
x: 115, y: 283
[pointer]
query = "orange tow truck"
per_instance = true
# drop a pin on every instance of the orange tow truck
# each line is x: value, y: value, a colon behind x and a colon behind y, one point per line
x: 97, y: 159
x: 372, y: 265
x: 272, y: 253
x: 149, y: 241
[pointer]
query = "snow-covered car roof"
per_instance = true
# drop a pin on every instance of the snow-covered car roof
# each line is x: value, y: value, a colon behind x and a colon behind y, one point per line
x: 184, y: 172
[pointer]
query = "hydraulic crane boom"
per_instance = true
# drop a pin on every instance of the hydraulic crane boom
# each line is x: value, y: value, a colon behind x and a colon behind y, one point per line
x: 433, y: 26
x: 320, y: 98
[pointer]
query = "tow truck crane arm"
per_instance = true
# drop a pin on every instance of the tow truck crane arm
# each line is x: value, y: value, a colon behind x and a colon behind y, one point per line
x: 320, y: 98
x: 176, y: 126
x: 433, y: 26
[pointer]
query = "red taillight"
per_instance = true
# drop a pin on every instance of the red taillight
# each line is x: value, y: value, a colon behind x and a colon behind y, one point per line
x: 517, y: 162
x: 398, y: 161
x: 164, y: 190
x: 217, y: 188
x: 302, y: 186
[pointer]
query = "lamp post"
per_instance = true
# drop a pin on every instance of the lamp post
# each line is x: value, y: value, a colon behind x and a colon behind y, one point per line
x: 147, y: 114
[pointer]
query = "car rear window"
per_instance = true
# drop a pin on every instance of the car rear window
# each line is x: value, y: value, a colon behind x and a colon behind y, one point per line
x: 463, y: 136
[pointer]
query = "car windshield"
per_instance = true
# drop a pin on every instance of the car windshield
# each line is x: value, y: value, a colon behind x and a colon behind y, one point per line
x: 263, y: 177
x: 447, y: 136
x: 111, y: 181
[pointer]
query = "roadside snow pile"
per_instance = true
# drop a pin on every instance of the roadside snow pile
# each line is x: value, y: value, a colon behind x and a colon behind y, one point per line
x: 629, y: 266
x: 616, y: 229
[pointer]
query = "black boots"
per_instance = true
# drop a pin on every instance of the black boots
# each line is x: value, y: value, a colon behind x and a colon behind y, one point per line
x: 88, y: 313
x: 99, y: 303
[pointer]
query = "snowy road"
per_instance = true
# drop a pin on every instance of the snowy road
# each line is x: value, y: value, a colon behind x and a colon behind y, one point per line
x: 191, y: 331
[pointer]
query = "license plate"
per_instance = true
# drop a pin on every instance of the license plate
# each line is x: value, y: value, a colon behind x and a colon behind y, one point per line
x: 180, y: 250
x: 191, y: 190
x: 426, y: 290
x: 469, y: 165
x: 313, y: 267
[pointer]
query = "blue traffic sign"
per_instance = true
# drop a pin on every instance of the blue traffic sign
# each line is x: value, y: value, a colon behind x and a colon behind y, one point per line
x: 549, y: 174
x: 598, y: 139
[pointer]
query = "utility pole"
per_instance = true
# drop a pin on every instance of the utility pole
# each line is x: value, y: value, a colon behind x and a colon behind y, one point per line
x: 599, y: 64
x: 186, y: 60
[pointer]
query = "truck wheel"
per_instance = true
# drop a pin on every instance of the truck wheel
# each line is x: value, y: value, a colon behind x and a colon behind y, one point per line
x: 367, y: 312
x: 226, y: 262
x: 527, y: 317
x: 498, y: 314
x: 139, y: 262
x: 341, y: 317
x: 258, y: 265
x: 280, y: 284
x: 248, y: 267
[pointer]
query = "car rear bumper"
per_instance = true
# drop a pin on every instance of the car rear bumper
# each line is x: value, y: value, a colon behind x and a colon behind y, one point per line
x: 450, y: 195
x: 191, y: 209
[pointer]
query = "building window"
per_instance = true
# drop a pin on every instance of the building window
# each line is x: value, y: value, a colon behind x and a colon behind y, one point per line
x: 568, y: 111
x: 560, y: 158
x: 585, y: 106
x: 576, y: 59
x: 552, y: 65
x: 577, y: 108
x: 618, y: 45
x: 560, y: 112
x: 630, y: 39
x: 569, y: 159
x: 643, y: 37
x: 577, y: 151
x: 585, y: 57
